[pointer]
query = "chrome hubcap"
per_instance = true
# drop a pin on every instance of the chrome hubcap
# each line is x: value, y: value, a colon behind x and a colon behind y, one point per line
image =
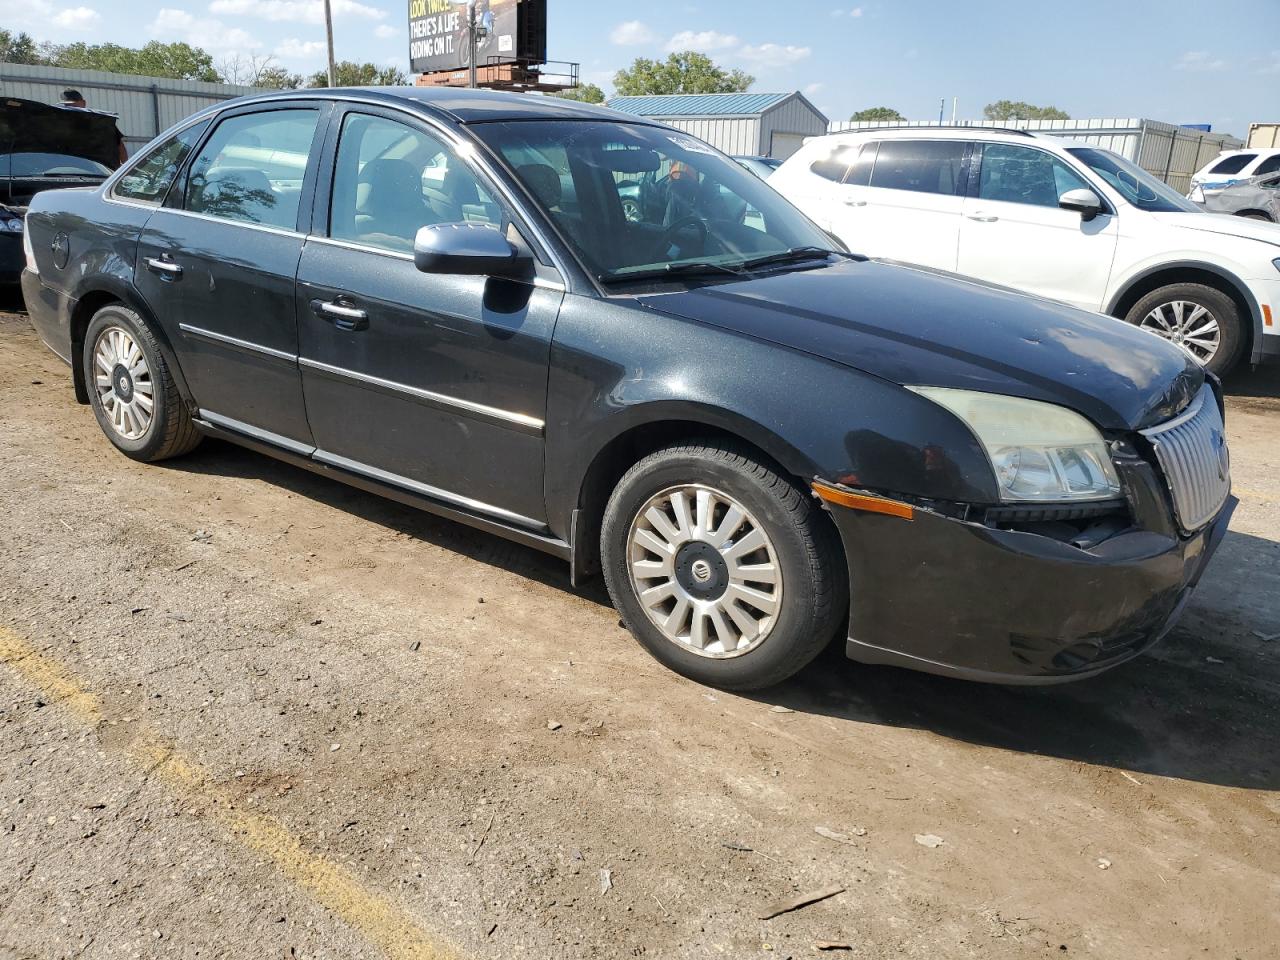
x: 1190, y: 325
x: 123, y: 383
x: 705, y: 571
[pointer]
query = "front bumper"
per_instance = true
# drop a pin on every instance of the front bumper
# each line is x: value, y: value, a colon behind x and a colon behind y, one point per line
x: 961, y: 599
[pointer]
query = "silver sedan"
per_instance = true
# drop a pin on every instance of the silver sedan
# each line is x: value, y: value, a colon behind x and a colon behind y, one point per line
x: 1257, y: 198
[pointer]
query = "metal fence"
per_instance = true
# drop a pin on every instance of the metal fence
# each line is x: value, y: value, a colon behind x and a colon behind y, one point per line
x: 1168, y: 151
x: 144, y: 106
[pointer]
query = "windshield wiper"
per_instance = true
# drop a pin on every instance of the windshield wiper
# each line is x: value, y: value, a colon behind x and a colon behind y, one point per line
x: 690, y: 268
x: 793, y: 255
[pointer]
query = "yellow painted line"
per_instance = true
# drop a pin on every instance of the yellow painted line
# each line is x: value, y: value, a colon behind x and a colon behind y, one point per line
x: 381, y: 921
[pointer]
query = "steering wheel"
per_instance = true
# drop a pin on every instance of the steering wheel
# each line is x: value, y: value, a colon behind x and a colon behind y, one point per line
x: 668, y: 235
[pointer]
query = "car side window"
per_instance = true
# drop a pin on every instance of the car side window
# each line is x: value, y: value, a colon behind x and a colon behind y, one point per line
x: 834, y: 165
x: 251, y: 169
x: 148, y: 181
x: 1269, y: 165
x: 1234, y: 164
x: 391, y: 179
x: 920, y: 166
x: 1017, y: 174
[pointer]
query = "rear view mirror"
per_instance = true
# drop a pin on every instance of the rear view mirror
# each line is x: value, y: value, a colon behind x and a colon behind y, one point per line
x: 1085, y: 202
x: 629, y: 160
x: 470, y: 249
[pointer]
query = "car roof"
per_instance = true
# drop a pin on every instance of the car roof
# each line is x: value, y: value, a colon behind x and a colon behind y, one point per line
x: 1261, y: 151
x: 998, y: 134
x: 461, y: 104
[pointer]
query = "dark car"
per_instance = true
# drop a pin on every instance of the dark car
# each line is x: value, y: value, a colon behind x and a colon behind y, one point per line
x: 762, y: 167
x: 760, y: 440
x: 42, y: 148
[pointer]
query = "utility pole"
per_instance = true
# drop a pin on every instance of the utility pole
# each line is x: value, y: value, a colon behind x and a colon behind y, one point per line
x: 328, y: 31
x: 475, y: 33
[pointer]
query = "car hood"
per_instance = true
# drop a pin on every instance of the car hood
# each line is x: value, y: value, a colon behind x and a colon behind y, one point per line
x: 1224, y: 224
x: 920, y: 327
x: 28, y: 126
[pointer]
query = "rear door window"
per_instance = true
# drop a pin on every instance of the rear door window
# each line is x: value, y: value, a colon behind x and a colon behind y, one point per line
x: 1235, y: 163
x: 148, y: 181
x: 251, y: 169
x: 920, y: 166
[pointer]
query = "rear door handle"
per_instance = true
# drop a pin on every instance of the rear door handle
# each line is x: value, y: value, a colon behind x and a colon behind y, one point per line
x: 342, y: 316
x: 982, y: 217
x: 164, y: 267
x: 855, y: 203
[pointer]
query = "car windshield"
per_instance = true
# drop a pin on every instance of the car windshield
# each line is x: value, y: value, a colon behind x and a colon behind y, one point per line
x: 49, y: 165
x: 1133, y: 183
x: 637, y: 201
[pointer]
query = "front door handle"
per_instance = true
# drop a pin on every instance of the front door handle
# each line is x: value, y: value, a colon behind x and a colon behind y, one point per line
x: 166, y: 268
x: 982, y: 217
x: 855, y: 203
x: 342, y: 316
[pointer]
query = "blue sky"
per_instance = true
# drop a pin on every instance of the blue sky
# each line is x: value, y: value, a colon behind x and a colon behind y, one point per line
x: 1183, y: 62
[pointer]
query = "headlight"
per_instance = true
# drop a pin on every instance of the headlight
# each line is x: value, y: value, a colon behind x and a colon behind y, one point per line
x: 1276, y: 263
x: 13, y: 225
x: 1039, y: 452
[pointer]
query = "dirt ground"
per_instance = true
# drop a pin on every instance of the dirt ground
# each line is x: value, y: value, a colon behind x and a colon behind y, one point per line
x: 248, y: 712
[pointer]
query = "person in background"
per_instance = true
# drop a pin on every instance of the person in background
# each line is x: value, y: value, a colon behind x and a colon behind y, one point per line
x: 75, y: 99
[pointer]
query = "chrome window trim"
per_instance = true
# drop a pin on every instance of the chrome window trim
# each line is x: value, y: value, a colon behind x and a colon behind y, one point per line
x: 397, y: 255
x: 506, y: 418
x: 265, y: 228
x: 222, y: 338
x: 466, y: 503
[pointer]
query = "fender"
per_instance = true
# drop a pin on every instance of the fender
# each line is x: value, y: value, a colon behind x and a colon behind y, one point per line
x: 1230, y: 277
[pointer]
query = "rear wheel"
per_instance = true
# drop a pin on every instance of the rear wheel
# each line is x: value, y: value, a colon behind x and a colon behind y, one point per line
x: 723, y: 569
x: 131, y: 389
x: 1203, y: 321
x: 1255, y: 216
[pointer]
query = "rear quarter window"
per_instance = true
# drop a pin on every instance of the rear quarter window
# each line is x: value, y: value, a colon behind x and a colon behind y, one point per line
x: 149, y: 179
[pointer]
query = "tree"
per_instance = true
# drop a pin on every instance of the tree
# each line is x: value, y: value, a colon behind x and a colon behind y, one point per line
x: 583, y: 93
x: 1021, y: 110
x: 257, y: 71
x: 350, y: 74
x: 685, y: 72
x: 18, y: 48
x: 878, y: 114
x: 178, y: 61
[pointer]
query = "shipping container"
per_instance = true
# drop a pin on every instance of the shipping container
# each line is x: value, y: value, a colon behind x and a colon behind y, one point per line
x: 1264, y: 135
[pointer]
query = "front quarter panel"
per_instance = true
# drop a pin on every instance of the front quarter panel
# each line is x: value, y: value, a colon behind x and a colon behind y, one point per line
x: 616, y: 366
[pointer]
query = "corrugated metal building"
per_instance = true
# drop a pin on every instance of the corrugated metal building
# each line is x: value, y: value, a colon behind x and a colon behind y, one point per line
x: 1168, y: 151
x: 745, y: 124
x: 144, y: 105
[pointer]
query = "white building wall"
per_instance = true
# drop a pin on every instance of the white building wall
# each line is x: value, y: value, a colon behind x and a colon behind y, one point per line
x: 732, y: 135
x: 145, y: 106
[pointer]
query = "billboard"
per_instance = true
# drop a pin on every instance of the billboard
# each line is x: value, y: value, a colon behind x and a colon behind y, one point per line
x: 440, y: 35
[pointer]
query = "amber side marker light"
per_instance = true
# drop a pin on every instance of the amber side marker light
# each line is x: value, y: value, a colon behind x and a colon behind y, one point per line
x: 1266, y: 314
x: 860, y: 501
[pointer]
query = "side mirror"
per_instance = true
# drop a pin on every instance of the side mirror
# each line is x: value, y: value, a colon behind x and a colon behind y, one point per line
x: 1085, y: 202
x: 470, y: 249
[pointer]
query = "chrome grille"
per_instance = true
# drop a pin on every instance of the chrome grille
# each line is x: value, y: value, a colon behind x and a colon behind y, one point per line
x: 1192, y: 452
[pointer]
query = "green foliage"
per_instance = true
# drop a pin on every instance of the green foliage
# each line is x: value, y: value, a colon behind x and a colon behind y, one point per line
x: 18, y: 48
x: 360, y: 75
x: 686, y: 72
x: 278, y: 78
x: 1021, y: 110
x: 583, y: 93
x: 879, y: 114
x: 178, y: 61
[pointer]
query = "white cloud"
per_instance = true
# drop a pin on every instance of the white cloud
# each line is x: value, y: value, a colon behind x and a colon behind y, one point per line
x: 705, y: 40
x: 1200, y: 61
x: 76, y: 18
x: 813, y: 89
x: 855, y: 12
x: 205, y: 32
x: 774, y: 54
x: 632, y: 33
x: 294, y: 49
x: 384, y: 31
x: 295, y: 11
x: 1270, y: 66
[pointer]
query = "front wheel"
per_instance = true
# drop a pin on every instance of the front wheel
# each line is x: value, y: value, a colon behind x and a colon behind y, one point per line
x: 724, y: 570
x: 1203, y: 321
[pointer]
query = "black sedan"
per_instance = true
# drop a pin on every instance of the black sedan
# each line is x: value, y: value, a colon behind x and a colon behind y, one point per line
x: 761, y: 440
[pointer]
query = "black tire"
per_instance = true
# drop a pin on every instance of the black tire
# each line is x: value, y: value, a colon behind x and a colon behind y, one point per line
x: 171, y: 432
x: 804, y: 541
x: 1256, y: 216
x: 1223, y: 308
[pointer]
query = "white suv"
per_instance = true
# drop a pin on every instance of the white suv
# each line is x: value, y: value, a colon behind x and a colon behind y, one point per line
x: 1232, y: 166
x: 1064, y: 220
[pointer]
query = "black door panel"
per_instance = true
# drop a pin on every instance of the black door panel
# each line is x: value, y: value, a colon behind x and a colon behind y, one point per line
x: 444, y: 381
